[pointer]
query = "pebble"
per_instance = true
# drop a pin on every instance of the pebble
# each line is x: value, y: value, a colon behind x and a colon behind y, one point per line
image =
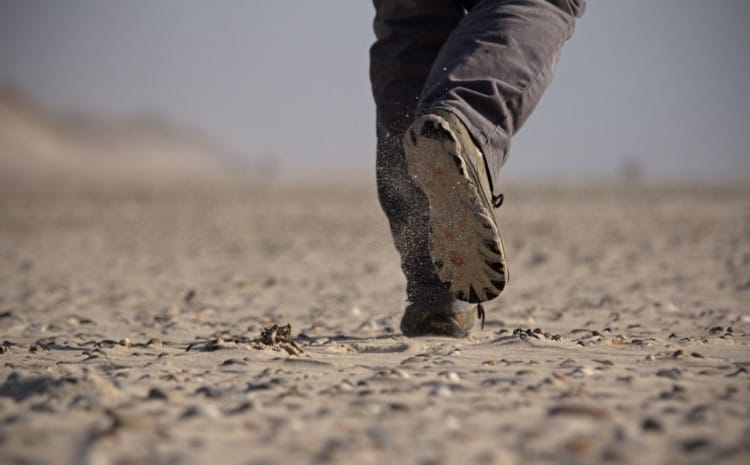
x: 415, y: 359
x: 345, y: 386
x: 583, y: 371
x: 671, y: 373
x: 580, y: 410
x: 232, y: 361
x: 243, y: 407
x: 441, y: 390
x: 652, y: 424
x: 400, y: 373
x: 206, y: 411
x: 676, y: 392
x: 692, y: 445
x: 157, y: 394
x: 209, y: 391
x: 698, y: 414
x: 155, y: 342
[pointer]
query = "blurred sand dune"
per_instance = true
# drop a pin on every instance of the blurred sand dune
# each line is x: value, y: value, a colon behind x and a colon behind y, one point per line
x: 37, y: 145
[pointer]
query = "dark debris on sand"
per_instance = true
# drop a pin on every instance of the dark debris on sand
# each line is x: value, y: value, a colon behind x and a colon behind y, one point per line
x: 276, y: 337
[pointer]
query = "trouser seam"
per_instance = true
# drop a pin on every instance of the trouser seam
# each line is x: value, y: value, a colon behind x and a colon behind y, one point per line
x: 530, y: 85
x: 555, y: 52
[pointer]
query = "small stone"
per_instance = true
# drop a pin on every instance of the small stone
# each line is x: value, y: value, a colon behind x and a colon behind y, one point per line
x: 345, y: 386
x: 453, y: 377
x: 414, y: 359
x: 441, y: 390
x: 206, y: 411
x: 209, y: 391
x: 400, y: 373
x: 155, y: 342
x: 124, y: 342
x: 243, y: 407
x: 698, y: 414
x: 157, y: 394
x: 671, y: 373
x: 579, y: 410
x: 584, y: 370
x: 652, y: 424
x: 694, y: 444
x: 676, y: 393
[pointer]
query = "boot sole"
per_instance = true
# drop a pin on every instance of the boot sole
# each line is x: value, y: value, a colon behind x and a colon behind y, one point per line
x: 464, y: 240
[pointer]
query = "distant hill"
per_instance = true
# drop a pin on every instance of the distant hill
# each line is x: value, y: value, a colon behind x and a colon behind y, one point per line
x: 36, y: 144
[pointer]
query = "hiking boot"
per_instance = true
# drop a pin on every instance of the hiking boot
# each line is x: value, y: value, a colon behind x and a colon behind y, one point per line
x: 464, y: 239
x: 448, y: 317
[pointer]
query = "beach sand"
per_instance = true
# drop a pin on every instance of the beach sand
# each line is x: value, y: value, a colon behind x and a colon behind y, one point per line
x: 130, y: 323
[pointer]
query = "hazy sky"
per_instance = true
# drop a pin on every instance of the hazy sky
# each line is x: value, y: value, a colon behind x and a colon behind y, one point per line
x: 666, y: 81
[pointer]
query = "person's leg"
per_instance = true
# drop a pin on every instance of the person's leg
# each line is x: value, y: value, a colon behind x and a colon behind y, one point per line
x: 409, y: 37
x: 486, y: 80
x: 495, y: 67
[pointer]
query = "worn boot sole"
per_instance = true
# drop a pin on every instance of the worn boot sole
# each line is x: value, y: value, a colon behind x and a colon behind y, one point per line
x: 464, y: 240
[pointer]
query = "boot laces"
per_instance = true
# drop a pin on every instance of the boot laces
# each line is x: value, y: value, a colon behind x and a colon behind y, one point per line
x: 497, y: 200
x: 480, y: 314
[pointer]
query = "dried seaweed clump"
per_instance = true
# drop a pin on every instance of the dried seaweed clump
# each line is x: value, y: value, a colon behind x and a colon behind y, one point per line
x: 275, y: 337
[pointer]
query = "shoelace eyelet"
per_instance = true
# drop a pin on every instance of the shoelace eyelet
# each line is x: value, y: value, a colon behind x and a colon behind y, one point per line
x: 497, y: 200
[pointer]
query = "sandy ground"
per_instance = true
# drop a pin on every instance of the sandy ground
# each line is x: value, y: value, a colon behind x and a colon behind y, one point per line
x: 130, y: 326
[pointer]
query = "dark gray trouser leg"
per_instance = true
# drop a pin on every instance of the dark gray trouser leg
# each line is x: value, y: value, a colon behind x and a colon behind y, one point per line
x: 495, y: 67
x: 489, y: 67
x: 409, y: 35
